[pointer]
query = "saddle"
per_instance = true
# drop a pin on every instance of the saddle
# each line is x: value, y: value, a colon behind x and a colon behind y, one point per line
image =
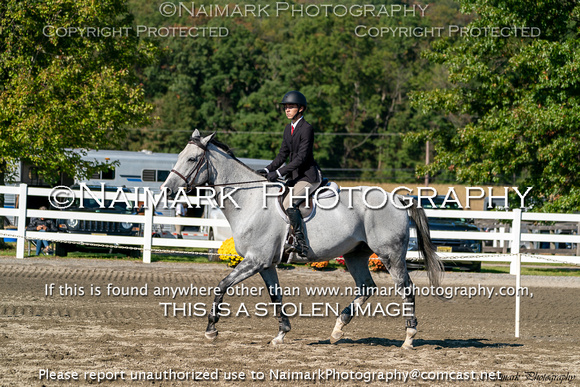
x: 325, y: 189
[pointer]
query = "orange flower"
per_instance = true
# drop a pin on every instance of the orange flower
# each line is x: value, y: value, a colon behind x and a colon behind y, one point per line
x: 318, y: 265
x: 375, y: 264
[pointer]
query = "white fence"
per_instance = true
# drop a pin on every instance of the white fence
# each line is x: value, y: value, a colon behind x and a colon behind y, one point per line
x: 148, y: 220
x: 514, y: 237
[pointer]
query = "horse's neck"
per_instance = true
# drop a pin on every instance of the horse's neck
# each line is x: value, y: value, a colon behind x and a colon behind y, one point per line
x: 225, y: 171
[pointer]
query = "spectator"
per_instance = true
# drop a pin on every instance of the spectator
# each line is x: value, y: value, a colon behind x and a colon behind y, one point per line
x: 180, y: 211
x: 42, y: 225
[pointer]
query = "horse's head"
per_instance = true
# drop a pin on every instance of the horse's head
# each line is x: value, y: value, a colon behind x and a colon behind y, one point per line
x: 191, y: 169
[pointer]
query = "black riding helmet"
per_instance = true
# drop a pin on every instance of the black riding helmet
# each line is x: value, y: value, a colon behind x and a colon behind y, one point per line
x: 295, y: 97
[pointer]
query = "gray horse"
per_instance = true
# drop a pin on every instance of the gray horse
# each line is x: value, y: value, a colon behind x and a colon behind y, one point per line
x: 357, y: 226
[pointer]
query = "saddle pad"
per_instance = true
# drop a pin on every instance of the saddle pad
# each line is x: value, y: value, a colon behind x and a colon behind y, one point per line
x: 328, y: 191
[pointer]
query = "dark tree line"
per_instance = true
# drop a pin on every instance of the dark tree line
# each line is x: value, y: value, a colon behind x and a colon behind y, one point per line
x: 357, y: 87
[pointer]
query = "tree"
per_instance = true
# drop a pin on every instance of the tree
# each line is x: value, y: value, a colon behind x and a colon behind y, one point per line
x: 514, y: 100
x: 67, y: 80
x: 356, y: 86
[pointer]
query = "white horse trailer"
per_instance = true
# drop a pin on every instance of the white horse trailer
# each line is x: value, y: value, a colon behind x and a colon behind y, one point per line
x: 137, y: 170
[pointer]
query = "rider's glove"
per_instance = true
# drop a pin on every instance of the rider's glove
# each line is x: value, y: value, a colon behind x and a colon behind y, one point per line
x: 263, y: 172
x: 273, y: 176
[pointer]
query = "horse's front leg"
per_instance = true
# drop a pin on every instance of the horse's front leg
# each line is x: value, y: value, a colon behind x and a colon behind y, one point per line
x: 247, y: 268
x: 270, y: 276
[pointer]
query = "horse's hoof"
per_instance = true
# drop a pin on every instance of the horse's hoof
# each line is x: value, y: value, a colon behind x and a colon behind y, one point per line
x: 277, y: 341
x: 211, y: 336
x: 408, y: 344
x: 336, y: 336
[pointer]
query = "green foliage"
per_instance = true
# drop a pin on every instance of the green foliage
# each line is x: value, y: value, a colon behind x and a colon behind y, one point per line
x: 69, y: 89
x: 356, y: 86
x: 513, y: 102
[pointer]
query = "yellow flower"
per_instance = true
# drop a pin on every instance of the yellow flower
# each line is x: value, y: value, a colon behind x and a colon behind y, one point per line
x: 228, y: 253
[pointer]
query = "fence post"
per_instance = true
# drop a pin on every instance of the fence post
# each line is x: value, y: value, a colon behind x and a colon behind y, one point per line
x: 516, y: 240
x: 22, y: 210
x: 516, y: 264
x: 148, y: 233
x: 578, y: 244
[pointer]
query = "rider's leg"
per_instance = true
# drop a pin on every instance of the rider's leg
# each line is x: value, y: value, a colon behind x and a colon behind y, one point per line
x: 299, y: 191
x: 300, y: 246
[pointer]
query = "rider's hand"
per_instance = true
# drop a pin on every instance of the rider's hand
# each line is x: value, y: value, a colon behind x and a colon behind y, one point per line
x: 272, y: 176
x: 262, y: 172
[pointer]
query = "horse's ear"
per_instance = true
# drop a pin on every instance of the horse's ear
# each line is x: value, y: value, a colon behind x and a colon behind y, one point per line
x: 207, y: 139
x: 196, y: 134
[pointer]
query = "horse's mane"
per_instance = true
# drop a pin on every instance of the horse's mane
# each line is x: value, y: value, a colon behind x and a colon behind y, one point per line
x: 224, y: 147
x: 220, y: 145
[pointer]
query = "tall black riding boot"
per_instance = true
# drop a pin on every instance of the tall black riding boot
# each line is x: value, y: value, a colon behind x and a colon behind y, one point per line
x: 300, y: 246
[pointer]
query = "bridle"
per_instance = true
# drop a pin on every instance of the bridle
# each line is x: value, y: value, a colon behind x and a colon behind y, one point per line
x: 197, y: 169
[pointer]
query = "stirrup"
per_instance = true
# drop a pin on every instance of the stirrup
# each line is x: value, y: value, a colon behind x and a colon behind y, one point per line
x: 288, y: 248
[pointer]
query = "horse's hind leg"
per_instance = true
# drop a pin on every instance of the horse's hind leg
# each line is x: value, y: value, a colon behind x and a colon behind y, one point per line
x: 398, y: 269
x: 270, y: 277
x: 357, y: 264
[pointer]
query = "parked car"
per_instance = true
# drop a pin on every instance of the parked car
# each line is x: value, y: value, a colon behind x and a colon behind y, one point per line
x: 449, y: 245
x: 81, y: 226
x: 206, y: 211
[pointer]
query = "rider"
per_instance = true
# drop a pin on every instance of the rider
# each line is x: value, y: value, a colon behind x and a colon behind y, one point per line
x: 297, y: 145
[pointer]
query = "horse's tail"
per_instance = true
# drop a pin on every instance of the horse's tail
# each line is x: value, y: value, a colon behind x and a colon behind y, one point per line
x: 426, y: 248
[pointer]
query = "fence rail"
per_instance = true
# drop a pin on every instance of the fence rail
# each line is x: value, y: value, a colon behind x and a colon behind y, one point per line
x: 514, y: 237
x: 147, y: 221
x: 506, y: 234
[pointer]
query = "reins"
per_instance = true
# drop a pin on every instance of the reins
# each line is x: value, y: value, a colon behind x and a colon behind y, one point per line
x: 237, y: 183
